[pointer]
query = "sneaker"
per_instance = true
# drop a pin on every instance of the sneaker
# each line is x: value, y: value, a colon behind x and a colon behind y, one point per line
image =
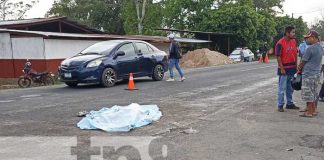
x: 182, y: 79
x: 292, y: 106
x: 281, y: 110
x: 170, y: 80
x: 321, y: 99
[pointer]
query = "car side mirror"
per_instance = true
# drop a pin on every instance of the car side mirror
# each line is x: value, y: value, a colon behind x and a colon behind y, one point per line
x: 119, y: 53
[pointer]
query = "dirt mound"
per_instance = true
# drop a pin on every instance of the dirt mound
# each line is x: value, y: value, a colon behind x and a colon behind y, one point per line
x: 7, y: 83
x: 203, y: 58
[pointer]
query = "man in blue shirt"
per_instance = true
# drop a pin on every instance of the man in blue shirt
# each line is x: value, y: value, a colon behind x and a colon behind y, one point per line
x: 302, y: 48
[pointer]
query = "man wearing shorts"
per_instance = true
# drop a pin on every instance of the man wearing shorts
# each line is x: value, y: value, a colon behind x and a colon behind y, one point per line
x: 311, y: 67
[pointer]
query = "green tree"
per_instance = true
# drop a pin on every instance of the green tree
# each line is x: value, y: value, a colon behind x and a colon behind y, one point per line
x: 269, y: 6
x: 140, y: 6
x: 100, y: 14
x: 241, y: 20
x: 319, y: 27
x: 10, y: 9
x: 266, y: 31
x: 150, y: 22
x: 299, y: 24
x: 184, y: 14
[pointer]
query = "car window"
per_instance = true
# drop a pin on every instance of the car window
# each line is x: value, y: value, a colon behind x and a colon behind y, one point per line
x: 128, y: 49
x: 236, y: 52
x: 143, y: 47
x: 150, y: 48
x: 100, y: 48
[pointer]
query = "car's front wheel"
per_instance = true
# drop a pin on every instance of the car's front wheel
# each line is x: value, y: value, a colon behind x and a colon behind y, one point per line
x: 158, y: 73
x: 108, y: 78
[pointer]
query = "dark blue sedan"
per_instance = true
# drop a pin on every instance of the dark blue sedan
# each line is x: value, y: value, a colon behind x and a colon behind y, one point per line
x: 111, y: 61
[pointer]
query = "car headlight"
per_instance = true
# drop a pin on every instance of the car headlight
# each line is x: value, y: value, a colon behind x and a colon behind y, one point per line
x: 94, y: 63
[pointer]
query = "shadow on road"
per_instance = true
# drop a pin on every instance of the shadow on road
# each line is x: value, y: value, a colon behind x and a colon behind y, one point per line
x: 96, y: 86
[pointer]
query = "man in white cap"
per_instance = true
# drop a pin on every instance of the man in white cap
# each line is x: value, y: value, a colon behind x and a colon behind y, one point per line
x: 174, y: 58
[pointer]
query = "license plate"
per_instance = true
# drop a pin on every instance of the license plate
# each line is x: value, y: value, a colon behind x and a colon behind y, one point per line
x: 67, y: 75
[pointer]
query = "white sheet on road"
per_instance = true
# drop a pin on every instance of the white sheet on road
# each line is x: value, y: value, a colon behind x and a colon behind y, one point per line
x: 121, y: 119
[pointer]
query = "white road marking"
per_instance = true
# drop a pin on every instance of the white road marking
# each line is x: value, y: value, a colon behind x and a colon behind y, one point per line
x: 30, y: 96
x: 7, y: 101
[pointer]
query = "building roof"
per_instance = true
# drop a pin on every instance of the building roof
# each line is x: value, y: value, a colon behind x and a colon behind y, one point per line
x: 55, y: 35
x: 198, y: 32
x: 26, y: 24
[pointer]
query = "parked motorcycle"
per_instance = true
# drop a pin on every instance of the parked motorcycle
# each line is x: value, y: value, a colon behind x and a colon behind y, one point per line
x: 30, y: 77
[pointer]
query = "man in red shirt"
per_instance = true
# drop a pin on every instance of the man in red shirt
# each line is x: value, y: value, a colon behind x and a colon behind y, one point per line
x: 286, y: 52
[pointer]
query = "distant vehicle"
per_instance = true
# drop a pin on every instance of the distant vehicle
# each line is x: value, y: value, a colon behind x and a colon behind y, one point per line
x: 110, y: 61
x: 236, y: 56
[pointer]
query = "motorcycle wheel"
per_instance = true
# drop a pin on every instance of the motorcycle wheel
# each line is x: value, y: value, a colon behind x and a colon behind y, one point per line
x: 24, y: 82
x: 48, y: 81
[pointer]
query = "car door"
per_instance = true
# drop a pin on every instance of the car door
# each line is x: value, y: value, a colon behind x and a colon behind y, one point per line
x: 146, y: 58
x: 129, y: 62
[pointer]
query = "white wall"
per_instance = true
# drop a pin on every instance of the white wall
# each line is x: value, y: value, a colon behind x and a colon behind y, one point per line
x: 28, y: 48
x: 61, y: 49
x: 5, y: 46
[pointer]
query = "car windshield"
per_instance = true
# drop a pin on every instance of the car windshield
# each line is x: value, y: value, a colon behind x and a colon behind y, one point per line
x: 100, y: 48
x: 236, y: 52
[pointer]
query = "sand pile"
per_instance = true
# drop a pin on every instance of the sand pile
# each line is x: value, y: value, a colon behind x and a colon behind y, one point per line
x: 203, y: 58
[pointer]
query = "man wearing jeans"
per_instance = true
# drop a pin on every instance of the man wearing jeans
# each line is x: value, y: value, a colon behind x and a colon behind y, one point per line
x: 174, y: 58
x: 286, y: 52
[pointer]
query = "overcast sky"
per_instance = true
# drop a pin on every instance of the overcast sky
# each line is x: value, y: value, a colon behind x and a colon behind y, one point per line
x: 311, y: 10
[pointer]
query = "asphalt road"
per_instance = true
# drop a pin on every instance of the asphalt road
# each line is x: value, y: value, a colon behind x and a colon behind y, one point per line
x: 231, y: 110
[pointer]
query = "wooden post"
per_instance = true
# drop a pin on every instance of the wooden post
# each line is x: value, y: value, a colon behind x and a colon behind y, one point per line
x: 60, y: 26
x: 208, y: 40
x: 228, y: 45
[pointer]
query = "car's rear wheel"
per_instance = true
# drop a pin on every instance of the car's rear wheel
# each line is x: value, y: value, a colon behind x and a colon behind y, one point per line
x: 72, y: 84
x: 158, y: 73
x: 109, y: 77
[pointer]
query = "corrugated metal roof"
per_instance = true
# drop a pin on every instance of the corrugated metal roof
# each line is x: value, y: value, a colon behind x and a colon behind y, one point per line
x: 98, y: 36
x: 13, y: 24
x: 189, y: 40
x: 199, y: 32
x: 28, y: 21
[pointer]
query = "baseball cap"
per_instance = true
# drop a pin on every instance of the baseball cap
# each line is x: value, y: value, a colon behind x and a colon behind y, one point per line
x: 171, y: 36
x: 312, y: 33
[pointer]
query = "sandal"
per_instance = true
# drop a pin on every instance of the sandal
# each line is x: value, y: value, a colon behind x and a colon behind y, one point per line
x: 303, y: 110
x: 305, y: 115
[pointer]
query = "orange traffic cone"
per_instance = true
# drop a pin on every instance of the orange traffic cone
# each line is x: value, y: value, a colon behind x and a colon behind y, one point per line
x: 131, y: 84
x: 266, y: 59
x: 261, y: 59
